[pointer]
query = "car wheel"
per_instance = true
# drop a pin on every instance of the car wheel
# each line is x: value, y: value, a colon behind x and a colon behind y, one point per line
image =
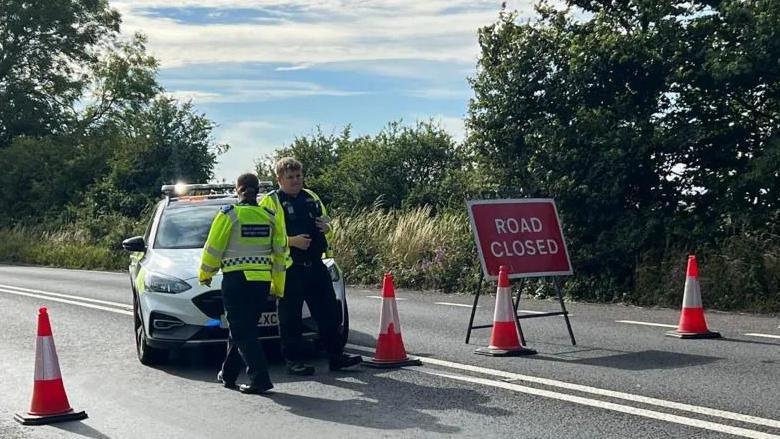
x: 147, y: 355
x: 344, y: 329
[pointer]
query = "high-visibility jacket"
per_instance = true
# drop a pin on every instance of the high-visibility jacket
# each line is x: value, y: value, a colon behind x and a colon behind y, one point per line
x: 271, y: 201
x: 247, y: 238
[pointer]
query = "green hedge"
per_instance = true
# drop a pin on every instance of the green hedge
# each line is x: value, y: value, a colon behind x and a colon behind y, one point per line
x: 436, y: 251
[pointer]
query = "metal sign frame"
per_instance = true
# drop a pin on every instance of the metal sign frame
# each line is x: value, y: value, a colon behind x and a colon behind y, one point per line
x: 522, y: 276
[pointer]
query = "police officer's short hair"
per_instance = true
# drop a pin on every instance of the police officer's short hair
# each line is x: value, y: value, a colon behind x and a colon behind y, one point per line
x: 285, y: 164
x: 248, y: 183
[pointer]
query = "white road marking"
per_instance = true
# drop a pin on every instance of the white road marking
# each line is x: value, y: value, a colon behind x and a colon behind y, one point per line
x: 509, y: 376
x: 69, y: 296
x: 71, y: 302
x: 455, y: 304
x: 380, y: 297
x: 595, y: 391
x: 119, y: 273
x: 666, y: 417
x: 632, y: 322
x: 753, y: 334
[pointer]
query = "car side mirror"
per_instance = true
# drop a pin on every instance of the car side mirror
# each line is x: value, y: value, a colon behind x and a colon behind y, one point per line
x: 134, y: 244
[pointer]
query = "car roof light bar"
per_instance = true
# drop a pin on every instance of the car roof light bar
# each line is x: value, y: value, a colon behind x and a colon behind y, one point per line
x: 180, y: 189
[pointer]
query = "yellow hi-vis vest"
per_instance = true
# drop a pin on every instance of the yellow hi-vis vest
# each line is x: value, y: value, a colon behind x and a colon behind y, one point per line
x: 271, y: 201
x: 247, y: 238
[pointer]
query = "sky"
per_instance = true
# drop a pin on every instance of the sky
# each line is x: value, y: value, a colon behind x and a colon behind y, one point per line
x: 267, y: 71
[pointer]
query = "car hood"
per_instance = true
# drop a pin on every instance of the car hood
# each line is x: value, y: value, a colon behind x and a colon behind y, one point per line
x: 182, y: 263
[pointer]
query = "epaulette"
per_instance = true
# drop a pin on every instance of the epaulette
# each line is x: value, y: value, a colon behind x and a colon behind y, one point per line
x: 227, y: 208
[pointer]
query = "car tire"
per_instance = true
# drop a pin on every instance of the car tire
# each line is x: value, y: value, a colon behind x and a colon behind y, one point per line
x: 147, y: 355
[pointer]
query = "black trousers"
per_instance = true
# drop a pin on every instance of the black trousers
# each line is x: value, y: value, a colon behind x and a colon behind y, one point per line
x: 243, y: 301
x: 310, y: 284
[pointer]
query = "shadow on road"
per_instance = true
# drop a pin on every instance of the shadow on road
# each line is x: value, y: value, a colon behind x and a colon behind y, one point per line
x: 387, y: 403
x: 382, y: 401
x: 642, y: 360
x: 80, y: 429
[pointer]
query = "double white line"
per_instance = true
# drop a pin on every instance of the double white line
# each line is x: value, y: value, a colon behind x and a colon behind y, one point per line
x: 512, y: 381
x: 103, y: 305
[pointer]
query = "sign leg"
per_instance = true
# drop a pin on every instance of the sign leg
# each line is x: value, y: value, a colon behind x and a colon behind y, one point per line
x: 474, y: 307
x: 517, y: 304
x: 559, y: 293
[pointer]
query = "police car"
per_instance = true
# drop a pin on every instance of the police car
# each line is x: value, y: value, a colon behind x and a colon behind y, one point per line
x: 171, y: 310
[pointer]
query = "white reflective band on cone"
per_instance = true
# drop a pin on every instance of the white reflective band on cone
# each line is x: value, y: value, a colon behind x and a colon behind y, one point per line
x: 504, y: 308
x: 389, y: 315
x: 47, y: 366
x: 692, y: 296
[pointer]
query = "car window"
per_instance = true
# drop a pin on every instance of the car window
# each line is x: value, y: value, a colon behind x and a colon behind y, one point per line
x: 185, y: 227
x: 148, y: 231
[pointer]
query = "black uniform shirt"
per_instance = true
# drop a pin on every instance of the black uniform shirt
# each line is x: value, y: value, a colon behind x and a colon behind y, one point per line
x: 299, y: 214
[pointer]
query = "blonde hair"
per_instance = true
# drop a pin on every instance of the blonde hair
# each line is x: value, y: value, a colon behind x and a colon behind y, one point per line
x: 287, y: 164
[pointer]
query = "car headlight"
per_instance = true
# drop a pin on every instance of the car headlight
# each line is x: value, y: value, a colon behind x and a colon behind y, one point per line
x: 334, y: 273
x: 160, y: 283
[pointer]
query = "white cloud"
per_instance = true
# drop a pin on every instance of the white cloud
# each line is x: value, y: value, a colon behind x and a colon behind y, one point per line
x: 243, y: 90
x: 454, y: 126
x: 320, y: 31
x: 251, y: 140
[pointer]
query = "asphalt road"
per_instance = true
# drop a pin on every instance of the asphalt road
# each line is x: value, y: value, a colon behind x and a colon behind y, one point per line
x: 621, y: 380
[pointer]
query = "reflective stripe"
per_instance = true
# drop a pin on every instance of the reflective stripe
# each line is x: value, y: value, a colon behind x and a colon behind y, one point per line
x: 278, y: 249
x: 212, y: 251
x: 232, y: 215
x: 270, y: 213
x: 247, y: 260
x: 208, y: 269
x: 47, y: 367
x: 278, y: 268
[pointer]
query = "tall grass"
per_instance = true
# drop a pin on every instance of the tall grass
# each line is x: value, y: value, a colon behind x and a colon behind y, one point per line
x: 436, y: 251
x: 69, y: 248
x: 422, y: 250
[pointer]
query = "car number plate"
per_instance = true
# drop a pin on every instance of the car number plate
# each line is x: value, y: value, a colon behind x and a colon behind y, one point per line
x: 268, y: 319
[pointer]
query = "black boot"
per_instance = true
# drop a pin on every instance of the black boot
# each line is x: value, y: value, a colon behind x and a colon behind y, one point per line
x: 340, y: 361
x: 255, y: 389
x: 228, y: 384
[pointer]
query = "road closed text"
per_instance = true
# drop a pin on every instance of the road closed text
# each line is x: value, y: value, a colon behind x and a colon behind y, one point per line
x: 514, y: 245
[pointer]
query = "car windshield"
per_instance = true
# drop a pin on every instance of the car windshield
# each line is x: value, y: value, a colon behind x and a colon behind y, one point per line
x: 185, y: 227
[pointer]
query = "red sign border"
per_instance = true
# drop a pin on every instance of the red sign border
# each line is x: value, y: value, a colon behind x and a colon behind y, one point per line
x: 471, y: 203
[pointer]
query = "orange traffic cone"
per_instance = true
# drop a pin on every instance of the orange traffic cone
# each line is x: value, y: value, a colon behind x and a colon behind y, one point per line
x: 692, y: 323
x: 505, y: 338
x: 49, y: 402
x: 390, y: 350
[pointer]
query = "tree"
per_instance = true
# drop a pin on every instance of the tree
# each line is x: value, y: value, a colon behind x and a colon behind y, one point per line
x: 400, y: 166
x: 165, y: 143
x: 46, y: 49
x: 642, y: 120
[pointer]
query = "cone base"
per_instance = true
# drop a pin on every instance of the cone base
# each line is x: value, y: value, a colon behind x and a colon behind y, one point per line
x: 678, y: 334
x: 492, y: 352
x: 28, y: 419
x: 383, y: 364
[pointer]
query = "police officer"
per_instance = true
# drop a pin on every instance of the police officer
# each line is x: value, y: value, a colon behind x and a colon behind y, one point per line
x: 246, y: 242
x: 308, y: 279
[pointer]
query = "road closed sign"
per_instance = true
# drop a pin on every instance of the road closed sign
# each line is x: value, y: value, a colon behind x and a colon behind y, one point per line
x: 523, y: 234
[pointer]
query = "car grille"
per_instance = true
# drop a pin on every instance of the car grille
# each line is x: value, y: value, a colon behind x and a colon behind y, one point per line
x: 210, y: 303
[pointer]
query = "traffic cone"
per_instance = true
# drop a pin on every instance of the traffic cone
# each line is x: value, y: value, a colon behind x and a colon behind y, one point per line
x: 49, y: 402
x: 505, y: 338
x: 692, y: 323
x: 390, y: 350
